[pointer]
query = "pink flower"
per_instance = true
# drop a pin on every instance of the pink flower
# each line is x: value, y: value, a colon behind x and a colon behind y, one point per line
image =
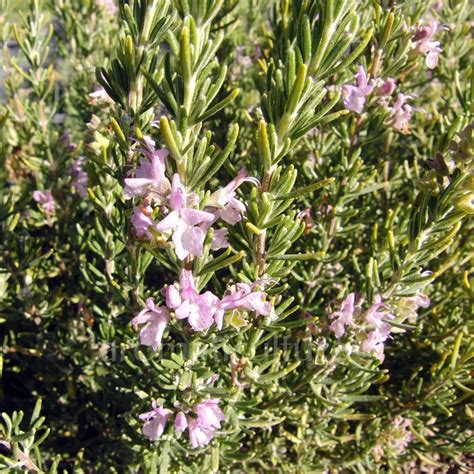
x: 376, y: 318
x: 154, y: 320
x: 375, y: 343
x: 188, y: 238
x: 244, y: 298
x: 209, y: 417
x: 219, y: 239
x: 79, y: 177
x: 149, y: 177
x: 180, y: 422
x: 209, y: 414
x: 188, y: 304
x: 155, y: 421
x: 203, y: 426
x: 354, y: 96
x: 401, y: 113
x: 343, y: 317
x: 421, y: 300
x: 227, y: 206
x: 423, y: 42
x: 142, y: 221
x: 199, y: 435
x: 46, y: 199
x: 386, y: 87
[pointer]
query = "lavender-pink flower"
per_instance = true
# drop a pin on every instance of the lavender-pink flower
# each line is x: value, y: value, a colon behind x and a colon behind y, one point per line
x: 187, y: 303
x: 154, y: 320
x: 46, y: 199
x: 180, y: 422
x: 344, y: 316
x: 142, y: 221
x: 155, y: 421
x: 224, y: 202
x: 183, y: 221
x: 244, y: 297
x: 354, y: 96
x: 150, y: 178
x: 400, y: 114
x: 423, y: 42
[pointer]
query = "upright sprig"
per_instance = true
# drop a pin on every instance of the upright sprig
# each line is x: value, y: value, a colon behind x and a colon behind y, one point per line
x: 294, y: 102
x: 191, y: 91
x: 146, y: 23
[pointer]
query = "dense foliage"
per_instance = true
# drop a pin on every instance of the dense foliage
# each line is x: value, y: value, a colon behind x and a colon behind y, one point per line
x: 235, y: 236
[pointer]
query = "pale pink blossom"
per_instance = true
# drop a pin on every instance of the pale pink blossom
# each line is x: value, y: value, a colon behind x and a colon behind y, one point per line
x: 224, y: 202
x: 344, y: 316
x: 385, y: 88
x: 142, y: 221
x: 354, y: 96
x: 199, y: 310
x: 377, y: 316
x: 46, y: 199
x: 421, y: 300
x: 209, y: 414
x: 180, y: 422
x: 202, y: 424
x: 400, y: 114
x: 188, y: 237
x: 375, y: 343
x: 423, y: 42
x: 219, y: 239
x: 199, y: 435
x: 153, y: 320
x: 209, y: 417
x: 244, y: 297
x: 150, y: 178
x: 155, y: 421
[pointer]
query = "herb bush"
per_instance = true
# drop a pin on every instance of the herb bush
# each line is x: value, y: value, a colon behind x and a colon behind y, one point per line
x: 235, y: 236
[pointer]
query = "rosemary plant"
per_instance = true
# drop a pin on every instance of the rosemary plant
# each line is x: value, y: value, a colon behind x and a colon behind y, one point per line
x: 236, y: 236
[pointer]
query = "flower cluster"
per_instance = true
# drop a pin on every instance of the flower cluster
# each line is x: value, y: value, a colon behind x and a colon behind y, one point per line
x: 153, y: 320
x: 400, y: 113
x: 373, y: 326
x: 201, y: 422
x: 46, y: 199
x: 355, y: 96
x: 200, y: 310
x: 182, y: 220
x: 423, y: 42
x: 377, y: 318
